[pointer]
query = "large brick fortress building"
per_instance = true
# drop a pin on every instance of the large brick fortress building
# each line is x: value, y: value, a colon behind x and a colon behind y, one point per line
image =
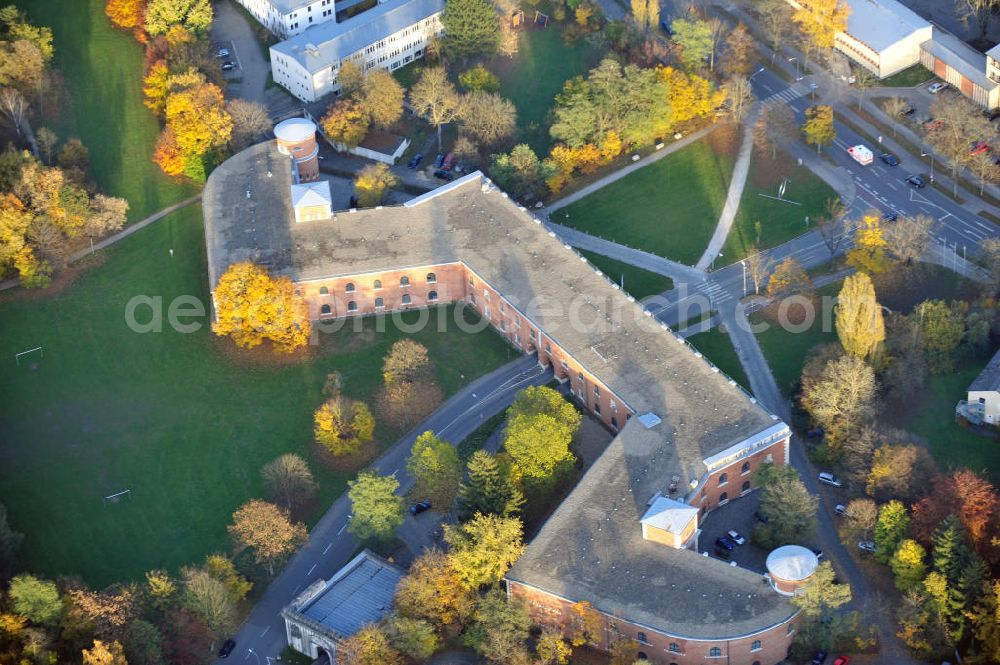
x: 687, y: 438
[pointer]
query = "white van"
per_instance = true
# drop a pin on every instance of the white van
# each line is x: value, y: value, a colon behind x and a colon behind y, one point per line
x: 861, y: 154
x: 829, y: 479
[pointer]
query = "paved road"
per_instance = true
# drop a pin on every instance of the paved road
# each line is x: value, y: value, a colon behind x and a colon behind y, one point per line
x: 330, y: 545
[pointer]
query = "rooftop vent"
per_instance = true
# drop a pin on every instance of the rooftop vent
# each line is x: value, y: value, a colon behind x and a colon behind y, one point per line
x: 650, y: 420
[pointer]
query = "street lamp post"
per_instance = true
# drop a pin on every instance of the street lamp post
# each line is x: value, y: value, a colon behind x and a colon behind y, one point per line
x: 755, y: 74
x: 796, y: 60
x: 925, y: 154
x: 743, y: 262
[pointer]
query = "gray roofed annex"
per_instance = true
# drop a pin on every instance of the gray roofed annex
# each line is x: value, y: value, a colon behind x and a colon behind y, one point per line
x: 989, y: 378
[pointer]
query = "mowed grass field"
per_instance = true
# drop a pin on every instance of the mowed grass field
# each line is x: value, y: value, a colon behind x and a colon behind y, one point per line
x: 717, y: 347
x: 101, y: 103
x: 182, y: 420
x: 669, y: 208
x: 638, y: 282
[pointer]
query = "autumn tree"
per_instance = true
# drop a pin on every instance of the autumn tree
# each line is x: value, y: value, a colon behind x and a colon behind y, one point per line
x: 740, y: 47
x: 551, y: 648
x: 978, y: 10
x: 788, y: 504
x: 488, y: 490
x: 197, y: 119
x: 694, y: 36
x: 36, y: 599
x: 859, y: 521
x: 818, y: 127
x: 222, y: 568
x: 907, y: 564
x: 208, y: 597
x: 186, y: 638
x: 414, y: 638
x: 410, y: 390
x: 955, y: 121
x: 22, y: 66
x: 471, y: 27
x: 108, y: 612
x: 821, y: 20
x: 821, y: 593
x: 251, y: 121
x: 789, y: 277
x: 584, y: 624
x: 840, y: 399
x: 433, y: 591
x: 381, y: 98
x: 267, y: 530
x: 161, y: 15
x: 376, y: 508
x: 500, y: 628
x: 899, y: 471
x: 14, y: 105
x: 833, y: 228
x: 289, y: 481
x: 966, y: 495
x: 646, y: 14
x: 476, y: 78
x: 941, y: 330
x: 908, y: 238
x: 859, y: 322
x: 484, y: 548
x: 434, y: 97
x: 351, y: 79
x: 775, y: 20
x: 104, y: 653
x: 252, y: 307
x: 436, y: 470
x: 540, y: 428
x: 487, y: 117
x: 758, y: 265
x: 869, y: 251
x: 368, y: 646
x: 740, y: 97
x: 127, y: 14
x: 890, y: 529
x: 372, y: 182
x: 345, y: 122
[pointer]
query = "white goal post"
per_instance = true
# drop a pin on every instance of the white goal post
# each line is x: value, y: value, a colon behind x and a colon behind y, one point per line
x: 17, y: 356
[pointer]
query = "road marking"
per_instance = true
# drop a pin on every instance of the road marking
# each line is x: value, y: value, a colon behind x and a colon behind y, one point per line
x: 393, y: 474
x: 892, y: 186
x: 311, y: 570
x: 265, y: 631
x: 331, y: 544
x: 296, y: 589
x: 338, y: 533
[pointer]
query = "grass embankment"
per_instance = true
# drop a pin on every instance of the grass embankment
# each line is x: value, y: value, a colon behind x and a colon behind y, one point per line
x: 637, y: 282
x: 717, y: 347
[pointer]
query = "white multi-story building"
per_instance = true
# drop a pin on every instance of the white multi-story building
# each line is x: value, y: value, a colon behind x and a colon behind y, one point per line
x: 285, y: 18
x: 387, y: 36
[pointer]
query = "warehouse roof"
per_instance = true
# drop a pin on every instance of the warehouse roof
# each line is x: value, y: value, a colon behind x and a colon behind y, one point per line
x: 882, y: 23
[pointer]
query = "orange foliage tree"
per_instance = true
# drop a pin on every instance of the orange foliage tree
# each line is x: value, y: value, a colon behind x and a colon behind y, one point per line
x: 198, y: 118
x: 167, y: 154
x: 252, y: 307
x: 126, y: 14
x: 345, y: 122
x: 972, y: 498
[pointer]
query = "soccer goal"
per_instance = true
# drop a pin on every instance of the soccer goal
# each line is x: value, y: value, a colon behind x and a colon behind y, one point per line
x: 26, y: 355
x: 118, y: 496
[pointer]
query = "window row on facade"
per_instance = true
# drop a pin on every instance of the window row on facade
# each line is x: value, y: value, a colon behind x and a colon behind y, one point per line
x: 377, y: 284
x: 352, y: 305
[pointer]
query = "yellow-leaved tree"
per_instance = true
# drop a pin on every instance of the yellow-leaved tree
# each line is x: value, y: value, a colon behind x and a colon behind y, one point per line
x: 690, y: 96
x: 868, y: 254
x: 126, y: 14
x: 818, y: 128
x: 821, y: 20
x: 251, y: 307
x: 198, y: 119
x: 105, y: 653
x: 859, y: 322
x: 342, y: 425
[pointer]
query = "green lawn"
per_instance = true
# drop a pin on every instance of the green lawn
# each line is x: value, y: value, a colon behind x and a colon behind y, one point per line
x: 534, y: 77
x: 931, y: 414
x: 102, y: 103
x: 717, y: 347
x: 638, y: 282
x: 912, y: 76
x: 182, y: 420
x: 779, y: 221
x: 669, y: 208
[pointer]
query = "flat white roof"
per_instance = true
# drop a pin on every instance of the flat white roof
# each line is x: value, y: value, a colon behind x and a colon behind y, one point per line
x: 882, y: 23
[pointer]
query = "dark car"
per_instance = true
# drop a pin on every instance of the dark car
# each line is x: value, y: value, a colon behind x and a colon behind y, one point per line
x: 227, y: 648
x: 915, y: 180
x: 890, y: 217
x: 444, y: 175
x: 723, y: 553
x: 725, y: 543
x: 819, y: 658
x: 420, y: 507
x: 415, y: 162
x: 438, y: 161
x: 909, y: 110
x: 889, y: 159
x: 353, y: 202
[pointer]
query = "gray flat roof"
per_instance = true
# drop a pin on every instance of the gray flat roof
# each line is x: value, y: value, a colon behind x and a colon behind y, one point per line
x: 989, y: 378
x: 289, y: 6
x: 702, y: 412
x: 882, y: 23
x: 335, y: 41
x: 964, y: 59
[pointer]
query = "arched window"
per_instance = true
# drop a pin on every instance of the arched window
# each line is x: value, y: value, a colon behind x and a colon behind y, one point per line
x: 755, y: 646
x: 349, y: 288
x: 723, y: 498
x: 746, y: 486
x: 404, y: 281
x: 674, y: 647
x: 325, y: 309
x: 379, y: 303
x: 431, y: 278
x: 406, y: 299
x: 352, y: 306
x: 642, y: 656
x: 295, y: 631
x: 614, y: 422
x: 432, y: 296
x: 641, y: 636
x: 723, y: 479
x: 745, y: 468
x: 323, y: 291
x: 756, y: 662
x: 715, y: 652
x: 378, y: 284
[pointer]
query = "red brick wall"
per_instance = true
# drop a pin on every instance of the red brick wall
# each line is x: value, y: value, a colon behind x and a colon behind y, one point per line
x: 589, y: 391
x: 710, y: 495
x: 554, y: 611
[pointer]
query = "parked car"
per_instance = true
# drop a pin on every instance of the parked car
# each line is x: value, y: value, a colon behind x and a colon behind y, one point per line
x: 819, y: 658
x: 933, y: 124
x: 829, y: 479
x: 842, y: 660
x: 763, y: 519
x: 815, y: 433
x: 978, y: 147
x: 222, y: 53
x: 840, y: 509
x: 420, y: 507
x: 723, y: 553
x: 889, y: 159
x: 438, y: 161
x: 915, y: 180
x: 736, y: 537
x: 725, y: 543
x: 890, y: 217
x: 866, y: 546
x: 459, y: 167
x: 227, y: 648
x: 909, y: 110
x: 226, y: 66
x: 935, y: 88
x: 444, y: 175
x: 415, y: 162
x: 449, y: 160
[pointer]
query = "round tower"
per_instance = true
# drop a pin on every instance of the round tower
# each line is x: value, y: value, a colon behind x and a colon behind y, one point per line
x: 790, y: 568
x: 297, y: 139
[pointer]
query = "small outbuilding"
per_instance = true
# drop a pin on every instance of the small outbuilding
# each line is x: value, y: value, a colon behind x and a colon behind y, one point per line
x: 790, y: 567
x: 983, y: 404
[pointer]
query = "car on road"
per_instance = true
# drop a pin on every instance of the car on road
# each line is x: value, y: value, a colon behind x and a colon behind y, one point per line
x: 724, y: 542
x: 909, y: 110
x: 935, y: 88
x: 890, y: 217
x: 889, y: 159
x: 227, y: 66
x: 222, y: 53
x: 915, y: 180
x: 227, y: 648
x: 819, y: 658
x: 443, y: 174
x: 736, y: 537
x: 842, y: 660
x: 415, y: 162
x: 840, y: 509
x: 866, y: 546
x: 829, y: 479
x: 420, y: 507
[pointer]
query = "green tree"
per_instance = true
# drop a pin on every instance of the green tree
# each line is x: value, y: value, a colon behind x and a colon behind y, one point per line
x: 519, y: 172
x: 471, y: 27
x: 907, y: 564
x: 859, y: 322
x: 821, y: 593
x: 208, y: 597
x: 143, y: 644
x: 376, y: 508
x: 941, y: 330
x: 484, y: 548
x: 694, y: 36
x: 890, y: 529
x: 489, y: 490
x: 479, y: 78
x: 413, y: 637
x: 540, y: 427
x: 161, y: 15
x: 788, y: 504
x: 985, y: 617
x: 437, y: 472
x: 818, y: 126
x: 160, y: 589
x: 501, y: 627
x: 36, y: 599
